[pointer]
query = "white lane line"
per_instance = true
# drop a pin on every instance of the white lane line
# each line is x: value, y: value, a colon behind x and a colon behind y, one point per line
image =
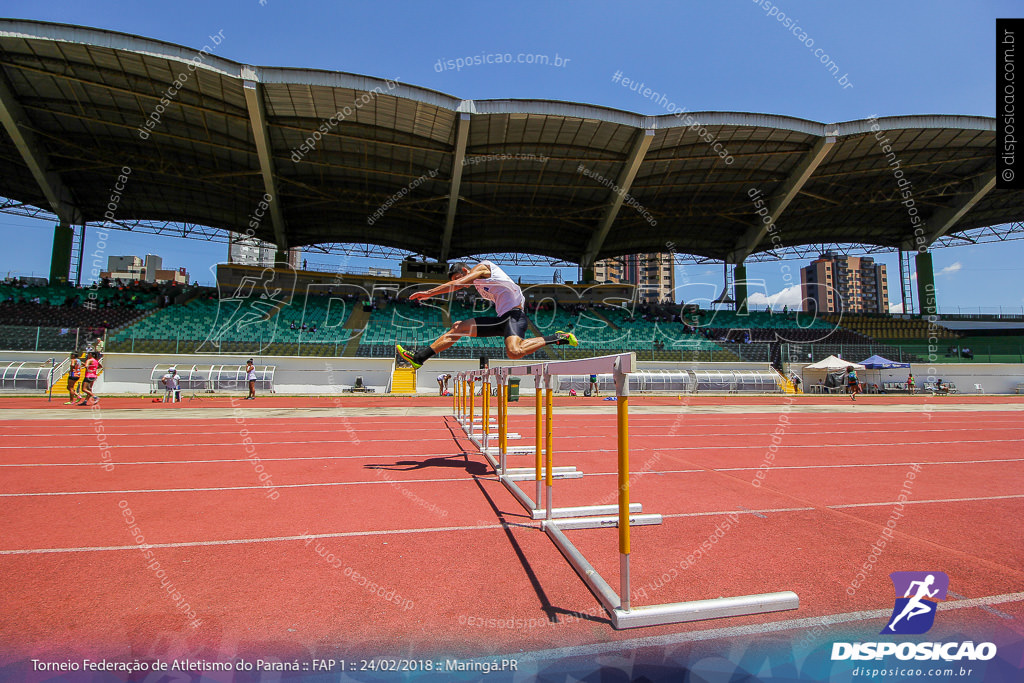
x: 430, y: 456
x: 440, y: 428
x: 990, y: 610
x: 731, y: 632
x: 596, y: 450
x: 785, y: 446
x: 878, y: 464
x: 237, y: 443
x: 919, y: 502
x: 374, y: 456
x: 232, y: 488
x: 234, y: 434
x: 739, y: 511
x: 240, y: 541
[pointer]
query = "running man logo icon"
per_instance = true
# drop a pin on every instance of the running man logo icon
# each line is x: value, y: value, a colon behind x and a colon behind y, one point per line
x: 914, y: 612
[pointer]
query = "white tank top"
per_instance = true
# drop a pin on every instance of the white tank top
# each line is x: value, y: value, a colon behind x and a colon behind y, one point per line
x: 500, y: 289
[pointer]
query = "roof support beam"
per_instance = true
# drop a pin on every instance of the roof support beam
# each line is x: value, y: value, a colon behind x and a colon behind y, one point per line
x: 258, y: 119
x: 19, y: 127
x: 641, y: 144
x: 461, y: 137
x: 945, y: 218
x: 788, y: 191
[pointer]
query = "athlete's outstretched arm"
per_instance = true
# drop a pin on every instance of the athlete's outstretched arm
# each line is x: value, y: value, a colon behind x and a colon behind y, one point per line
x: 479, y: 271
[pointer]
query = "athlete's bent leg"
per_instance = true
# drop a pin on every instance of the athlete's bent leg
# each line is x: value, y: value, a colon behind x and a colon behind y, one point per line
x: 462, y: 328
x: 517, y: 347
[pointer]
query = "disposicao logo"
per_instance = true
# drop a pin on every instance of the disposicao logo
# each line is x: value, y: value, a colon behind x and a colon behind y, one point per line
x: 914, y: 613
x: 917, y: 596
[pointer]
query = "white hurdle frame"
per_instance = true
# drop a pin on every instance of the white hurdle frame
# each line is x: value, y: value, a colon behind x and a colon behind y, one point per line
x: 556, y: 520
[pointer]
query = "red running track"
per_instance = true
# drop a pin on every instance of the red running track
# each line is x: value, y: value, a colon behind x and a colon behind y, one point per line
x: 387, y: 533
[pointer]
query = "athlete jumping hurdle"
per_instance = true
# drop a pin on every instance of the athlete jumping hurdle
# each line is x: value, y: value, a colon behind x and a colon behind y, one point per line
x: 509, y: 322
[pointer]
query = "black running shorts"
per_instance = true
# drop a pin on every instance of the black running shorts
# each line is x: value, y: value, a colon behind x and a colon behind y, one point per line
x: 512, y: 324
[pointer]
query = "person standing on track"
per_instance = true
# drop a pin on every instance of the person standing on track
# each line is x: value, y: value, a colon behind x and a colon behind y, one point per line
x: 172, y: 387
x: 910, y: 384
x: 852, y: 385
x: 74, y: 374
x: 92, y: 371
x: 509, y: 322
x: 250, y: 376
x: 442, y: 383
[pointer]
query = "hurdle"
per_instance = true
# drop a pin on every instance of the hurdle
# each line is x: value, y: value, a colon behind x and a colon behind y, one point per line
x: 556, y: 521
x: 496, y: 455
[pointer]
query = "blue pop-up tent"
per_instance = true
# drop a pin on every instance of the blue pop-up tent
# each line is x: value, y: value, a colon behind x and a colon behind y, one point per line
x: 878, y: 363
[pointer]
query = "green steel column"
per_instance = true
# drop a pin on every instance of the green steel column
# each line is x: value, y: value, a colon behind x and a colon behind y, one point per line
x: 60, y: 260
x: 739, y: 277
x: 925, y: 284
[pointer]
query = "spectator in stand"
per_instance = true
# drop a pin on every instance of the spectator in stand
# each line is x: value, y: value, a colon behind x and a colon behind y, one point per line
x: 74, y: 374
x: 250, y: 376
x: 92, y: 371
x: 98, y: 347
x: 172, y: 386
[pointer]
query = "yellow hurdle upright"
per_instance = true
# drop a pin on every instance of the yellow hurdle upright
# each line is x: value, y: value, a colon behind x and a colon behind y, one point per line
x: 539, y: 440
x: 485, y: 418
x: 548, y: 441
x: 502, y: 421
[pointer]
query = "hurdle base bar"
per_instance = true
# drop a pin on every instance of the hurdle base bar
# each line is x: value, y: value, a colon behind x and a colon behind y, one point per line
x: 584, y: 510
x: 697, y: 610
x: 667, y: 613
x: 516, y: 471
x: 494, y: 430
x: 494, y: 450
x: 554, y: 475
x: 598, y: 522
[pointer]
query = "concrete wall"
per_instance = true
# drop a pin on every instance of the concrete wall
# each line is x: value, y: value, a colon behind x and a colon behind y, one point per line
x: 129, y: 372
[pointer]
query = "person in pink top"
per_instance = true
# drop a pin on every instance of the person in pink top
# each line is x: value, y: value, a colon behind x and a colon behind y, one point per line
x: 92, y: 371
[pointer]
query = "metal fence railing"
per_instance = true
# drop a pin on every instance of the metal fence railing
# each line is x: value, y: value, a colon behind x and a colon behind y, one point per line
x: 55, y: 339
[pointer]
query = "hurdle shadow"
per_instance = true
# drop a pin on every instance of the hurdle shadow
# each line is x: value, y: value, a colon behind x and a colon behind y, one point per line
x: 549, y: 610
x: 460, y: 461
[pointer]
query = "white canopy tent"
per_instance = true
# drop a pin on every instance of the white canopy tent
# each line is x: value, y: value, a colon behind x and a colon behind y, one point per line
x: 814, y: 374
x: 833, y: 364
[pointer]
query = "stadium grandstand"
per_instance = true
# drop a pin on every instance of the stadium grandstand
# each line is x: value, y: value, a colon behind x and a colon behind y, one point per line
x: 408, y: 173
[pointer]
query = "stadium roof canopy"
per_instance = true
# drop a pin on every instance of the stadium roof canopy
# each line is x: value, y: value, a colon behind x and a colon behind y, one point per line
x: 397, y: 165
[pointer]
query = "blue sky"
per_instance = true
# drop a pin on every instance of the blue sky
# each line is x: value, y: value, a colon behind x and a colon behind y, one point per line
x: 908, y: 57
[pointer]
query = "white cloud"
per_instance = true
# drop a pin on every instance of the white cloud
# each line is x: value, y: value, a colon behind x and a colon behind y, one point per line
x: 949, y: 270
x: 790, y: 296
x: 896, y: 308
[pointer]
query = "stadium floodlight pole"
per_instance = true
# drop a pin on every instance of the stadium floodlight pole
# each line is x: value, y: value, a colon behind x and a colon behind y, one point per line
x: 548, y: 438
x: 622, y: 423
